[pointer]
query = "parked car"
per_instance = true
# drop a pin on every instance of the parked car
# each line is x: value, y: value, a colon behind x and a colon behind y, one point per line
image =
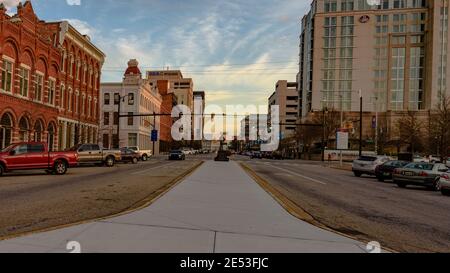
x: 448, y: 162
x: 35, y: 155
x: 144, y: 155
x: 368, y: 164
x: 257, y: 155
x: 386, y: 170
x: 445, y: 183
x: 177, y: 155
x: 129, y: 155
x: 420, y: 174
x: 93, y: 154
x: 427, y: 159
x: 187, y: 151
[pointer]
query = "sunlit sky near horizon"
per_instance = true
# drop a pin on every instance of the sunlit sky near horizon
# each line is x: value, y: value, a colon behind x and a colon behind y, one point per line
x: 234, y: 50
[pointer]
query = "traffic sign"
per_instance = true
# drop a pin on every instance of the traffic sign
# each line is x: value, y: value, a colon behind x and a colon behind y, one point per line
x: 154, y: 135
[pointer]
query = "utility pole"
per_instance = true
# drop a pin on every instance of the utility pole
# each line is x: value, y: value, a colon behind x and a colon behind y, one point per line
x: 342, y: 126
x: 118, y: 122
x: 360, y: 122
x: 154, y: 128
x: 376, y: 125
x: 323, y: 135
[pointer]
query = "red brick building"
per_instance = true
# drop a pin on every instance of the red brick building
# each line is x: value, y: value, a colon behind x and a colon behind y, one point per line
x: 168, y: 102
x: 50, y: 80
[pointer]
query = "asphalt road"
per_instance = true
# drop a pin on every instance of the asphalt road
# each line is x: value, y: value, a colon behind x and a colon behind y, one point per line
x: 32, y: 200
x: 405, y: 220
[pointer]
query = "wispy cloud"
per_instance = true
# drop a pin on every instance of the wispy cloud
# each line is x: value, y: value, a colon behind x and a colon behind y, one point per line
x: 261, y: 35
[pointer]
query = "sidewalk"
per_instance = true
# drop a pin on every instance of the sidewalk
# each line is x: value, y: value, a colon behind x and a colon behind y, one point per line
x: 219, y: 208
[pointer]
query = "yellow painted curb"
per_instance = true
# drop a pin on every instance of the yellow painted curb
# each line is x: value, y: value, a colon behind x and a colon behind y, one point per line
x: 294, y: 209
x: 133, y: 208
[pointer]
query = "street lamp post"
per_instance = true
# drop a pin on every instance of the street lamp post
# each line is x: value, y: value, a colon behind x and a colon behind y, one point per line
x: 119, y: 116
x: 376, y: 125
x: 324, y: 111
x: 360, y: 122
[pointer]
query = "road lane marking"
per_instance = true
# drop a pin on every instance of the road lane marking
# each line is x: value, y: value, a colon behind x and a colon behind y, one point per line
x: 149, y: 169
x: 299, y: 175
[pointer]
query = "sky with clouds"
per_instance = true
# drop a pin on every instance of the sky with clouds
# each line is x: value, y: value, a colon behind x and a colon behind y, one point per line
x: 235, y: 50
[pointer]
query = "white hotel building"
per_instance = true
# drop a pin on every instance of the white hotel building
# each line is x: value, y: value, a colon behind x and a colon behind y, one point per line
x: 137, y: 97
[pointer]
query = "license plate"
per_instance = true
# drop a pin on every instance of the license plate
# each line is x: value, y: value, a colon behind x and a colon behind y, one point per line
x: 386, y: 174
x: 408, y: 173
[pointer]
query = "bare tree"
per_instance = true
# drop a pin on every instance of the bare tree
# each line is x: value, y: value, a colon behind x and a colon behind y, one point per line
x: 410, y: 131
x: 440, y: 127
x: 320, y: 127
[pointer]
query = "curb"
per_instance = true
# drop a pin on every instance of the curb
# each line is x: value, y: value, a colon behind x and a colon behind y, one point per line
x: 294, y: 209
x: 133, y: 208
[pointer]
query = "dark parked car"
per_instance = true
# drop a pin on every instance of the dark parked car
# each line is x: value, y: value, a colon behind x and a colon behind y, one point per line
x: 177, y: 155
x: 420, y: 174
x: 129, y: 155
x: 257, y: 155
x: 386, y: 170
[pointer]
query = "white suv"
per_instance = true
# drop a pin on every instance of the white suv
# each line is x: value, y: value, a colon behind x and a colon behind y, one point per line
x: 368, y: 164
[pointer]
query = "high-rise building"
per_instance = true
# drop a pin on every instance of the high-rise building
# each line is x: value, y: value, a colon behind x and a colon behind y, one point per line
x: 287, y: 99
x: 395, y: 53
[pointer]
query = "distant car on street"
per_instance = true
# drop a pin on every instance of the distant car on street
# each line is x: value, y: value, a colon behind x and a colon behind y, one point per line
x: 257, y: 155
x: 420, y: 174
x: 385, y: 171
x: 368, y: 164
x: 93, y: 154
x: 144, y: 155
x: 187, y: 151
x: 177, y: 155
x: 445, y: 183
x: 129, y: 155
x: 35, y: 155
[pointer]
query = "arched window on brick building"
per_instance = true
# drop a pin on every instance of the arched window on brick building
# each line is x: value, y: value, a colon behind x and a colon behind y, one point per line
x: 38, y: 131
x: 6, y: 125
x: 24, y: 129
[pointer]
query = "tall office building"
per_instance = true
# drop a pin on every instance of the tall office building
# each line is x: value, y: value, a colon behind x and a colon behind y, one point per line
x: 286, y: 97
x: 394, y: 52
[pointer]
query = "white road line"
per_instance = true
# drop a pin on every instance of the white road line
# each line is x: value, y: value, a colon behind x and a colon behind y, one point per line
x: 149, y: 169
x: 299, y: 175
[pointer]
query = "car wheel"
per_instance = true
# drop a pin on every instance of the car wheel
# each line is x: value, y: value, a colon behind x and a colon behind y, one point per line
x: 445, y: 192
x: 437, y: 185
x: 134, y: 160
x: 60, y: 167
x: 357, y: 174
x: 1, y: 170
x: 400, y: 184
x: 109, y: 161
x: 380, y: 178
x: 144, y: 158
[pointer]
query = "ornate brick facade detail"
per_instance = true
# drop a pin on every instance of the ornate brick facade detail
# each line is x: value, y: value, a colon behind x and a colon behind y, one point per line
x: 39, y: 64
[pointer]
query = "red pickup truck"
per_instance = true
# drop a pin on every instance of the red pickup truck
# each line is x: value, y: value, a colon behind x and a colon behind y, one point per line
x: 35, y: 155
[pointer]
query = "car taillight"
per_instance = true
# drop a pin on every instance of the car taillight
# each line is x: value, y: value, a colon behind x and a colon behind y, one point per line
x: 397, y: 171
x: 423, y: 174
x: 445, y: 176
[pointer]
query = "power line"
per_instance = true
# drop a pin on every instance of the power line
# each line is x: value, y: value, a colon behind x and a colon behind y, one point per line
x: 207, y: 65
